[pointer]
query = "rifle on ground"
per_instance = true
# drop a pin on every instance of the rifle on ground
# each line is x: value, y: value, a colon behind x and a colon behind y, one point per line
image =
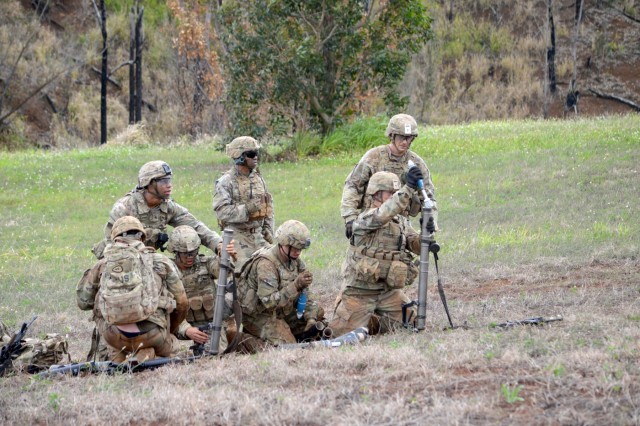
x: 527, y: 321
x: 221, y: 289
x: 110, y: 367
x: 351, y: 338
x: 14, y: 348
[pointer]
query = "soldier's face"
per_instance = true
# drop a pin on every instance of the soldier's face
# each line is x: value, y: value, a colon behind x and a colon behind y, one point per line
x: 400, y: 144
x: 292, y: 252
x: 164, y: 187
x: 186, y: 260
x: 251, y: 159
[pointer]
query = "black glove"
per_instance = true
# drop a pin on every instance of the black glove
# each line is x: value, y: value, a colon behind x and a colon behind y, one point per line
x: 348, y: 229
x: 162, y: 238
x: 413, y: 176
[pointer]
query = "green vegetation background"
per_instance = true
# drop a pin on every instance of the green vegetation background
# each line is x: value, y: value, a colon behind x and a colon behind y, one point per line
x: 509, y: 193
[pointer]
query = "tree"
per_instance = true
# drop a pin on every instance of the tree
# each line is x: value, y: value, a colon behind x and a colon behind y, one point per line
x: 199, y: 80
x: 299, y: 65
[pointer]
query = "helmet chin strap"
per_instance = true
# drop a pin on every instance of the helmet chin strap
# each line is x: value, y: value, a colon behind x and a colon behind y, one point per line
x: 287, y: 253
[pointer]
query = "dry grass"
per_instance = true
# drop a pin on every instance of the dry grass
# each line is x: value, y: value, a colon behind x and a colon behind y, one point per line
x: 583, y: 370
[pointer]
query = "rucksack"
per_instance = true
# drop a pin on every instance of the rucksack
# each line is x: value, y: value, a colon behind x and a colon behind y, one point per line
x: 39, y: 354
x: 247, y: 293
x: 128, y: 291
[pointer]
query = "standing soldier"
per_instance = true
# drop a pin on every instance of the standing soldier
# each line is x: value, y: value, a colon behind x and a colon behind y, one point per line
x: 394, y: 157
x: 199, y: 274
x: 136, y: 295
x: 379, y: 261
x: 150, y: 203
x: 270, y: 283
x: 241, y: 200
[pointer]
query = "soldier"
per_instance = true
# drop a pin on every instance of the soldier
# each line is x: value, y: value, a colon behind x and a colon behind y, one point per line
x: 150, y: 203
x: 379, y: 261
x: 153, y: 281
x: 394, y: 157
x: 270, y: 283
x: 241, y: 200
x: 199, y: 273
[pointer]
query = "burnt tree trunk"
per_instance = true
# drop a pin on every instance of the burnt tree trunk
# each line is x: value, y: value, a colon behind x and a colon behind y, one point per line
x: 139, y: 42
x: 551, y: 49
x: 132, y: 57
x: 105, y: 76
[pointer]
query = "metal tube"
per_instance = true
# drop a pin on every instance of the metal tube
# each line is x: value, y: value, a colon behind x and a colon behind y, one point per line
x: 221, y: 288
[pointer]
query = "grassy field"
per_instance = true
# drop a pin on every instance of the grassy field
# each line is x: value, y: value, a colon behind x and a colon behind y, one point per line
x: 537, y: 218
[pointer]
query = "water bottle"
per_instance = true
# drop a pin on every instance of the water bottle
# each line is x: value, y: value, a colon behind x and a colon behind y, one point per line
x: 302, y: 304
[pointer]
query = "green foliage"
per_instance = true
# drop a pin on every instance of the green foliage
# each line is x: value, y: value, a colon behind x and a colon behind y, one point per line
x: 362, y: 134
x: 310, y: 64
x: 511, y: 393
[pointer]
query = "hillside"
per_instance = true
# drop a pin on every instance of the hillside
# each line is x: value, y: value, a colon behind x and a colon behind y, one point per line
x: 486, y: 61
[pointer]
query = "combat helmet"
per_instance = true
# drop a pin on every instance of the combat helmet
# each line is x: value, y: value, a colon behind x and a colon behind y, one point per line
x: 402, y: 124
x: 240, y: 145
x: 126, y: 224
x: 152, y: 170
x: 293, y: 233
x: 383, y: 181
x: 183, y: 239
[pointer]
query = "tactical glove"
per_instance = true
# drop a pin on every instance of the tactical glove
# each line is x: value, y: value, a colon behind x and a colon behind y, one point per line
x: 348, y: 231
x: 413, y: 176
x: 303, y: 281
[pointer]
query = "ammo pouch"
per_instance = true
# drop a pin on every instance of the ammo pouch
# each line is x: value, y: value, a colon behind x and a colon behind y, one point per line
x: 200, y: 308
x: 397, y: 275
x: 266, y: 209
x: 367, y: 269
x: 167, y: 303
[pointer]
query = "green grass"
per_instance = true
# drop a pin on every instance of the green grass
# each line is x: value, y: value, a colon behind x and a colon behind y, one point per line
x: 509, y: 193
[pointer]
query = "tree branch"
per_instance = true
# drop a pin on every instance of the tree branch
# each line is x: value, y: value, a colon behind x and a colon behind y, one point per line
x: 616, y: 98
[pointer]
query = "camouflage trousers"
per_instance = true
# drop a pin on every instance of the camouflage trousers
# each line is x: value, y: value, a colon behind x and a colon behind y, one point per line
x: 158, y: 339
x: 247, y: 242
x: 379, y: 310
x: 275, y: 331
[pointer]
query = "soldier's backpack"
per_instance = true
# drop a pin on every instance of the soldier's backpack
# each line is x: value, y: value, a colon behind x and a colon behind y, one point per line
x: 128, y: 291
x: 40, y: 354
x: 248, y: 293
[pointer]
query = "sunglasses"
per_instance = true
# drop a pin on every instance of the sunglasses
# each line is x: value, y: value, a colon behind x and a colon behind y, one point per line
x: 164, y: 181
x: 408, y: 138
x: 193, y: 253
x: 250, y: 154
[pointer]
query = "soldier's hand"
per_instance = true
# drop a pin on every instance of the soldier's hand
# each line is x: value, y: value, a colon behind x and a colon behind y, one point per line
x: 231, y: 249
x: 348, y: 229
x: 414, y: 174
x: 254, y: 204
x: 304, y: 280
x: 196, y: 335
x: 268, y: 236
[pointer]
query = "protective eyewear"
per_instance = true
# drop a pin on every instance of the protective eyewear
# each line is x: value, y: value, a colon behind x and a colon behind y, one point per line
x: 408, y: 138
x: 250, y: 154
x: 164, y: 181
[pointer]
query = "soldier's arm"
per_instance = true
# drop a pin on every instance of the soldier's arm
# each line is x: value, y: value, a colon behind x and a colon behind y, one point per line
x: 269, y: 294
x: 181, y: 216
x: 378, y: 217
x: 428, y: 186
x: 88, y: 286
x: 413, y: 237
x: 353, y: 192
x: 225, y: 206
x: 171, y: 278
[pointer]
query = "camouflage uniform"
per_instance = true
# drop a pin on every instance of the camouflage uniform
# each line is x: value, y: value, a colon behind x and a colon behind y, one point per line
x: 382, y: 159
x: 377, y: 160
x: 377, y: 267
x: 273, y: 318
x: 155, y: 331
x: 155, y: 220
x: 200, y: 286
x: 232, y: 192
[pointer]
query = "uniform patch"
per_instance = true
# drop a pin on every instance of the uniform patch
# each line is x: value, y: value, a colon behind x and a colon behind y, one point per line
x: 407, y: 129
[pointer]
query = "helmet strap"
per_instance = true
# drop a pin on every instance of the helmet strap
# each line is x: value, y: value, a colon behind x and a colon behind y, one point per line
x: 287, y: 253
x: 240, y: 161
